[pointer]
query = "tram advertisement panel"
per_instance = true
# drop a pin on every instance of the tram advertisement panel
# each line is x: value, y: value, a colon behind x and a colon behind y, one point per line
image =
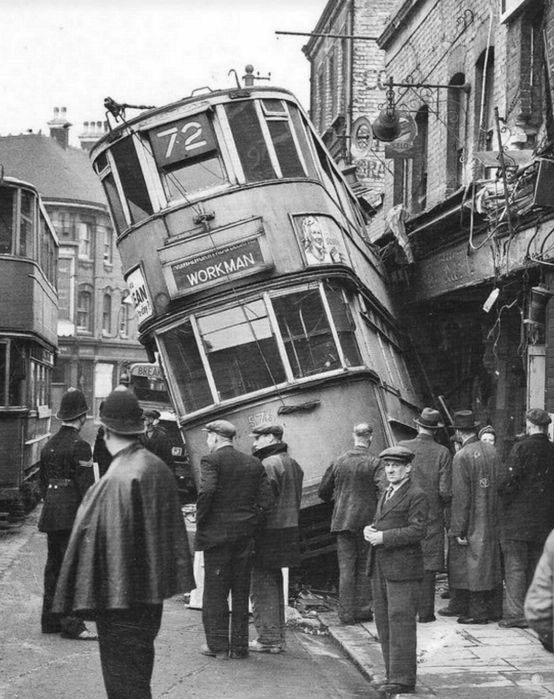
x: 320, y: 239
x: 139, y: 294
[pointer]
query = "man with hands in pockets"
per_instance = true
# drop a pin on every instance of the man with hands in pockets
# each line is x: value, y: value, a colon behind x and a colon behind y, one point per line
x: 395, y: 564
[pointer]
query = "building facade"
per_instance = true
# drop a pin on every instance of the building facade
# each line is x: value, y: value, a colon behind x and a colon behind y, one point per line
x: 97, y: 330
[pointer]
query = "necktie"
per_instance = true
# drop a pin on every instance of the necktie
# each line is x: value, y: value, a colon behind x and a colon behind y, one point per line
x: 390, y: 491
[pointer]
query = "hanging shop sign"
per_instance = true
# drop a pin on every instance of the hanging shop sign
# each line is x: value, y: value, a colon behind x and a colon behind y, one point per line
x: 403, y: 146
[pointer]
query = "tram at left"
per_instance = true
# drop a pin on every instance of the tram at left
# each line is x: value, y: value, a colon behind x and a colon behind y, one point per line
x: 28, y: 342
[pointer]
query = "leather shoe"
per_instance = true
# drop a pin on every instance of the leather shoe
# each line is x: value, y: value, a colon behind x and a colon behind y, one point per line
x: 363, y: 618
x: 238, y: 654
x: 447, y: 611
x: 84, y: 635
x: 427, y: 619
x: 472, y: 620
x: 392, y: 688
x: 206, y: 650
x: 513, y: 624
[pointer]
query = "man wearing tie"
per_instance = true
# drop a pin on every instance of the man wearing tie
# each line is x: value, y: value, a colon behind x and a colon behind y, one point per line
x: 395, y: 565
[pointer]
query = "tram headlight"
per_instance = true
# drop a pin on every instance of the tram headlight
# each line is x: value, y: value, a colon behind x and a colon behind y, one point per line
x: 162, y: 302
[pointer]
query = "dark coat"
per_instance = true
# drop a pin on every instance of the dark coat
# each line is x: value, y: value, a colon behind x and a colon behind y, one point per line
x: 64, y: 476
x: 278, y: 542
x: 354, y: 481
x: 475, y: 472
x: 129, y: 544
x: 402, y: 519
x: 527, y: 490
x: 159, y: 443
x: 233, y: 495
x: 100, y: 453
x: 432, y: 472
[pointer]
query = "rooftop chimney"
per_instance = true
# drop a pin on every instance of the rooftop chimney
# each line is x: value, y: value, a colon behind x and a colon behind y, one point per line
x: 59, y: 127
x: 92, y: 132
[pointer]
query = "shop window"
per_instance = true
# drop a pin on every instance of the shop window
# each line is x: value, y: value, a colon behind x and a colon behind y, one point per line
x: 6, y: 219
x: 249, y: 140
x: 186, y: 364
x: 241, y: 349
x: 132, y: 180
x: 306, y: 333
x: 84, y: 311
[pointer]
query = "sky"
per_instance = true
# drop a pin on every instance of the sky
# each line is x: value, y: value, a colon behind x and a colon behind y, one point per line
x: 74, y: 53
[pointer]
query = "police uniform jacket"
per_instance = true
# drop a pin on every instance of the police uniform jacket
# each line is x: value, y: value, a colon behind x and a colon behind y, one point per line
x: 233, y: 494
x: 65, y: 474
x: 354, y: 481
x: 403, y: 521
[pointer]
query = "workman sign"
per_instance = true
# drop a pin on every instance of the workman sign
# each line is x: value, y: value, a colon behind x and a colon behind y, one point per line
x: 218, y: 265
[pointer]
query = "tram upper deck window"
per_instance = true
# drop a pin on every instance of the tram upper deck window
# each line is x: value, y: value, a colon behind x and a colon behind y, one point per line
x: 26, y: 223
x: 186, y: 156
x: 250, y: 141
x: 6, y: 219
x: 3, y: 372
x: 242, y: 350
x: 132, y: 181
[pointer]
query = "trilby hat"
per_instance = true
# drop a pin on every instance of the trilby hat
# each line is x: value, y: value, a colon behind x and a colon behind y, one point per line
x: 464, y: 420
x: 429, y: 418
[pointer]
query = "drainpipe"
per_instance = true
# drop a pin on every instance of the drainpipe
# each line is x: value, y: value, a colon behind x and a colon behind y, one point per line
x: 350, y: 83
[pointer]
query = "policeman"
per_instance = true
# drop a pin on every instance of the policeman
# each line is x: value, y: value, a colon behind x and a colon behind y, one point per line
x: 65, y: 474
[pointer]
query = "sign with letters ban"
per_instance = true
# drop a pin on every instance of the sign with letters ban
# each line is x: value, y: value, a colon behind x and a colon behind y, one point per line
x: 139, y: 294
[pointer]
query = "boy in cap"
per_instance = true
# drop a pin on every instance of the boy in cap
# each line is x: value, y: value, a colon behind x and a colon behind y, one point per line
x: 278, y: 542
x: 526, y: 511
x: 395, y: 565
x: 127, y: 553
x: 233, y: 493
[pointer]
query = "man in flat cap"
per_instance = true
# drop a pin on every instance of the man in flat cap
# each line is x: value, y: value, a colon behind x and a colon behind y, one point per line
x: 474, y: 559
x: 395, y: 565
x: 233, y: 495
x: 127, y: 553
x: 278, y: 541
x: 155, y: 438
x: 432, y: 472
x: 354, y: 481
x: 526, y: 511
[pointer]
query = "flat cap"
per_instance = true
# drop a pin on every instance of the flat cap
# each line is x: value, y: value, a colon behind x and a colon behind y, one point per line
x: 487, y: 429
x: 398, y: 453
x: 538, y: 417
x: 268, y: 428
x: 221, y: 427
x: 151, y: 412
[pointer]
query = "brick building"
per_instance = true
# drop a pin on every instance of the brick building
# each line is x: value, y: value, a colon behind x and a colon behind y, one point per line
x: 97, y: 330
x: 466, y: 226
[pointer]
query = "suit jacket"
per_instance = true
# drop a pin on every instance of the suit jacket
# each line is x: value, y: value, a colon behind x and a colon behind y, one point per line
x: 234, y: 493
x: 403, y: 521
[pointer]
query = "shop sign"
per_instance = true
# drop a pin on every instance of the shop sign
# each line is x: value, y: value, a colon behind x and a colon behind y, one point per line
x: 218, y: 265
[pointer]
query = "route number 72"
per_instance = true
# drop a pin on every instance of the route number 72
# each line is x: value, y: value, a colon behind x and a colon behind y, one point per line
x: 194, y: 140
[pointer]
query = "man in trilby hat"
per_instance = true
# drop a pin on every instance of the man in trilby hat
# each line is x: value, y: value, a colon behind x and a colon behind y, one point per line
x: 127, y: 553
x: 474, y: 564
x: 65, y: 474
x: 432, y: 472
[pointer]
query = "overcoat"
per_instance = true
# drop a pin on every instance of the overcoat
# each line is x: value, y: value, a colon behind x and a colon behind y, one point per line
x: 278, y: 541
x: 129, y: 544
x: 159, y: 443
x: 539, y: 602
x: 403, y: 521
x: 432, y: 472
x: 475, y: 473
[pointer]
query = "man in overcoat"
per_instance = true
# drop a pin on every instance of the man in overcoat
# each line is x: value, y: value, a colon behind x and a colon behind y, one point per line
x: 354, y: 481
x: 233, y: 496
x: 277, y: 543
x: 474, y: 566
x: 432, y: 472
x: 127, y: 553
x: 155, y: 438
x: 395, y: 565
x: 526, y: 511
x: 65, y: 474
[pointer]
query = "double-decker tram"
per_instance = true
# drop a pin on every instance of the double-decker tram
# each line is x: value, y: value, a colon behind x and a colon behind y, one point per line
x: 254, y: 282
x: 28, y: 340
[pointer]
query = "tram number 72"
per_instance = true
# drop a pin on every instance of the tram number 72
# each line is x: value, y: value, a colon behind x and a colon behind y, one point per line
x: 176, y: 141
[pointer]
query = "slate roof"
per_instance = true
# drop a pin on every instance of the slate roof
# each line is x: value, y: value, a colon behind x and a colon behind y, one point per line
x: 61, y: 174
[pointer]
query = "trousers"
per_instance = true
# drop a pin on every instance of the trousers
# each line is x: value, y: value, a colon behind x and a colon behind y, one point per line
x: 354, y: 586
x: 426, y: 607
x: 268, y: 605
x: 126, y: 640
x: 395, y: 606
x: 520, y: 561
x: 227, y: 568
x: 50, y: 622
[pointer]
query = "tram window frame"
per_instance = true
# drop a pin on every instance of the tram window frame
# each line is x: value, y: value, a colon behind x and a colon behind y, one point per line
x: 27, y: 224
x: 47, y: 251
x: 7, y: 228
x: 243, y: 132
x: 104, y: 170
x: 286, y: 138
x: 131, y: 178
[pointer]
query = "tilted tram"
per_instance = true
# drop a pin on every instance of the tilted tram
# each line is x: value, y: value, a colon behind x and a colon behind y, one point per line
x: 254, y: 283
x: 28, y: 341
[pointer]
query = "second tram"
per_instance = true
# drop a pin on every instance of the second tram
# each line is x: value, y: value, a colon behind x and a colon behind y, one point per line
x: 28, y: 340
x: 246, y: 255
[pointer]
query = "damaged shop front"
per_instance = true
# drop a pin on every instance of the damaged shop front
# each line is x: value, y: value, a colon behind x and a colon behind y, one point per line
x: 474, y: 280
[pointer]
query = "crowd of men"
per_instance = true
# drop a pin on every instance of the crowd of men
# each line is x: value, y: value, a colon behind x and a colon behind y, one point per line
x: 118, y: 549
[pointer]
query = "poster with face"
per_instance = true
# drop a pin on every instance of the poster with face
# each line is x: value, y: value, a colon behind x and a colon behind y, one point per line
x: 321, y: 240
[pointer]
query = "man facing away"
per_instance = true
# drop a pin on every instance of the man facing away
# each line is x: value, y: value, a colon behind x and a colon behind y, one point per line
x: 233, y: 495
x: 474, y: 565
x: 432, y: 472
x: 395, y: 565
x: 526, y: 494
x: 277, y: 544
x: 354, y: 481
x: 65, y: 474
x: 127, y: 553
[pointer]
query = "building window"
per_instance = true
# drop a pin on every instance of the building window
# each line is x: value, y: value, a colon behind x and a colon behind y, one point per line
x: 124, y: 320
x: 107, y: 314
x: 419, y: 172
x: 85, y: 240
x: 84, y: 311
x: 484, y: 100
x: 455, y: 133
x: 108, y: 245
